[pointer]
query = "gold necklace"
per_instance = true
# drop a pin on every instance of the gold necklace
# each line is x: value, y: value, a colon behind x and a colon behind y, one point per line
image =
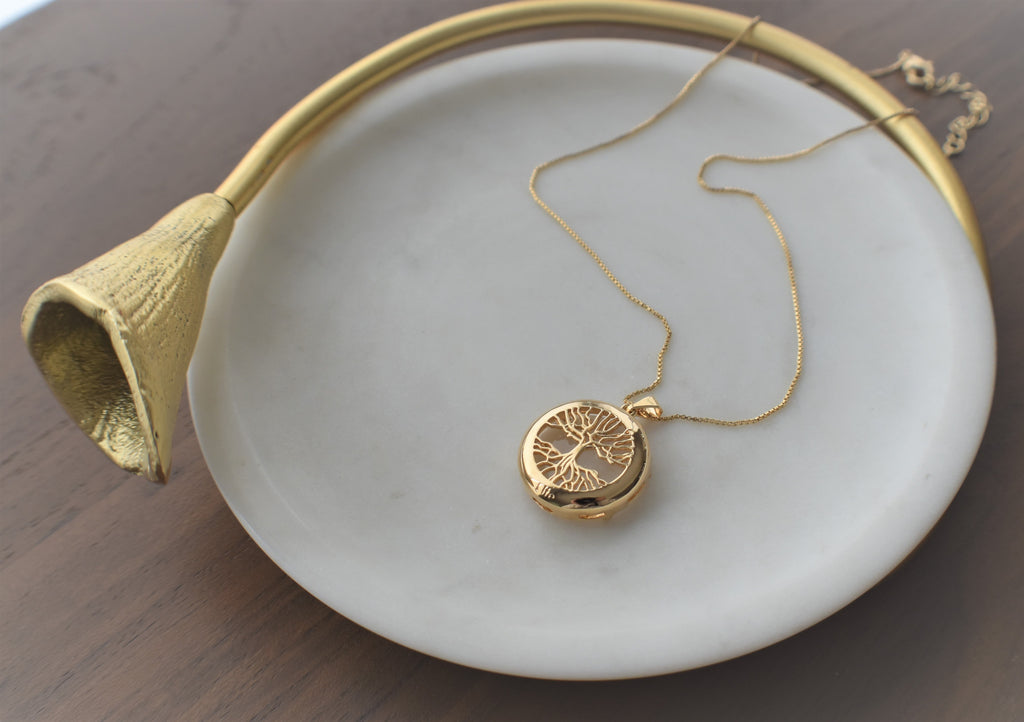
x: 588, y: 459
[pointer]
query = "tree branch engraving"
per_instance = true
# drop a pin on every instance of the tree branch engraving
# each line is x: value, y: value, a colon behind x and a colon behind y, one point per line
x: 588, y: 427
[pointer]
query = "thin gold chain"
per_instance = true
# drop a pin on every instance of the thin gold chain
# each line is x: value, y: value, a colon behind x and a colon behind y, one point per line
x: 919, y: 72
x: 769, y: 216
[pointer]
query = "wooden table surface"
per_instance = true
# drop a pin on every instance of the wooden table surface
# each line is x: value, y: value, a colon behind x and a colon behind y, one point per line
x: 121, y: 599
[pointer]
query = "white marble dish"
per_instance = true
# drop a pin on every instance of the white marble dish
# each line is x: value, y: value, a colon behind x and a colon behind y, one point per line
x: 393, y: 312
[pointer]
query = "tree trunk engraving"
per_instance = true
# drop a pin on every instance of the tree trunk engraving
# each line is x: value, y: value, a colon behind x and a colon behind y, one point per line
x: 584, y: 428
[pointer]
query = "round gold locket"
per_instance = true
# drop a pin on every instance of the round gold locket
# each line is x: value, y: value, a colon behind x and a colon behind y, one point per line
x: 584, y: 460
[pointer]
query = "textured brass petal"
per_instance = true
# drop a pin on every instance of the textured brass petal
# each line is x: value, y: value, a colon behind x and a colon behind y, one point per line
x: 114, y: 338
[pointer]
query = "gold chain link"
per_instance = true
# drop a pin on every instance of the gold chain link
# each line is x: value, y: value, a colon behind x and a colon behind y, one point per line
x: 791, y: 273
x: 919, y: 72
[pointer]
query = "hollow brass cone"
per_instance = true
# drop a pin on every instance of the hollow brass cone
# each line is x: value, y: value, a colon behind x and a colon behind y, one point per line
x: 114, y: 338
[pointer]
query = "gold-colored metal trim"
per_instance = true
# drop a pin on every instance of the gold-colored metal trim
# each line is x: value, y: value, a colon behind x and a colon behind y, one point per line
x: 329, y: 99
x: 114, y: 337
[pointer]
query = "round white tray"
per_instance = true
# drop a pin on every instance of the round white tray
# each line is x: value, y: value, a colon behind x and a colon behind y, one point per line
x: 393, y: 312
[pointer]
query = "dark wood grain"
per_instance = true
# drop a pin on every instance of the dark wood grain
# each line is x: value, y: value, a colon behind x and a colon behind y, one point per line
x: 123, y: 600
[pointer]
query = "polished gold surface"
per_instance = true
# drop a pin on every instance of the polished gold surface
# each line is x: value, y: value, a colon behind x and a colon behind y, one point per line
x: 330, y: 98
x: 113, y: 338
x: 584, y: 460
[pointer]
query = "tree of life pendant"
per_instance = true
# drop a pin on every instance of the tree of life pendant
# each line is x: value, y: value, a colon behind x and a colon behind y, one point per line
x: 584, y: 459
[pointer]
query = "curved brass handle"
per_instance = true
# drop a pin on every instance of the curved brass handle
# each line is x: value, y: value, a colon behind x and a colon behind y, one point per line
x: 114, y: 338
